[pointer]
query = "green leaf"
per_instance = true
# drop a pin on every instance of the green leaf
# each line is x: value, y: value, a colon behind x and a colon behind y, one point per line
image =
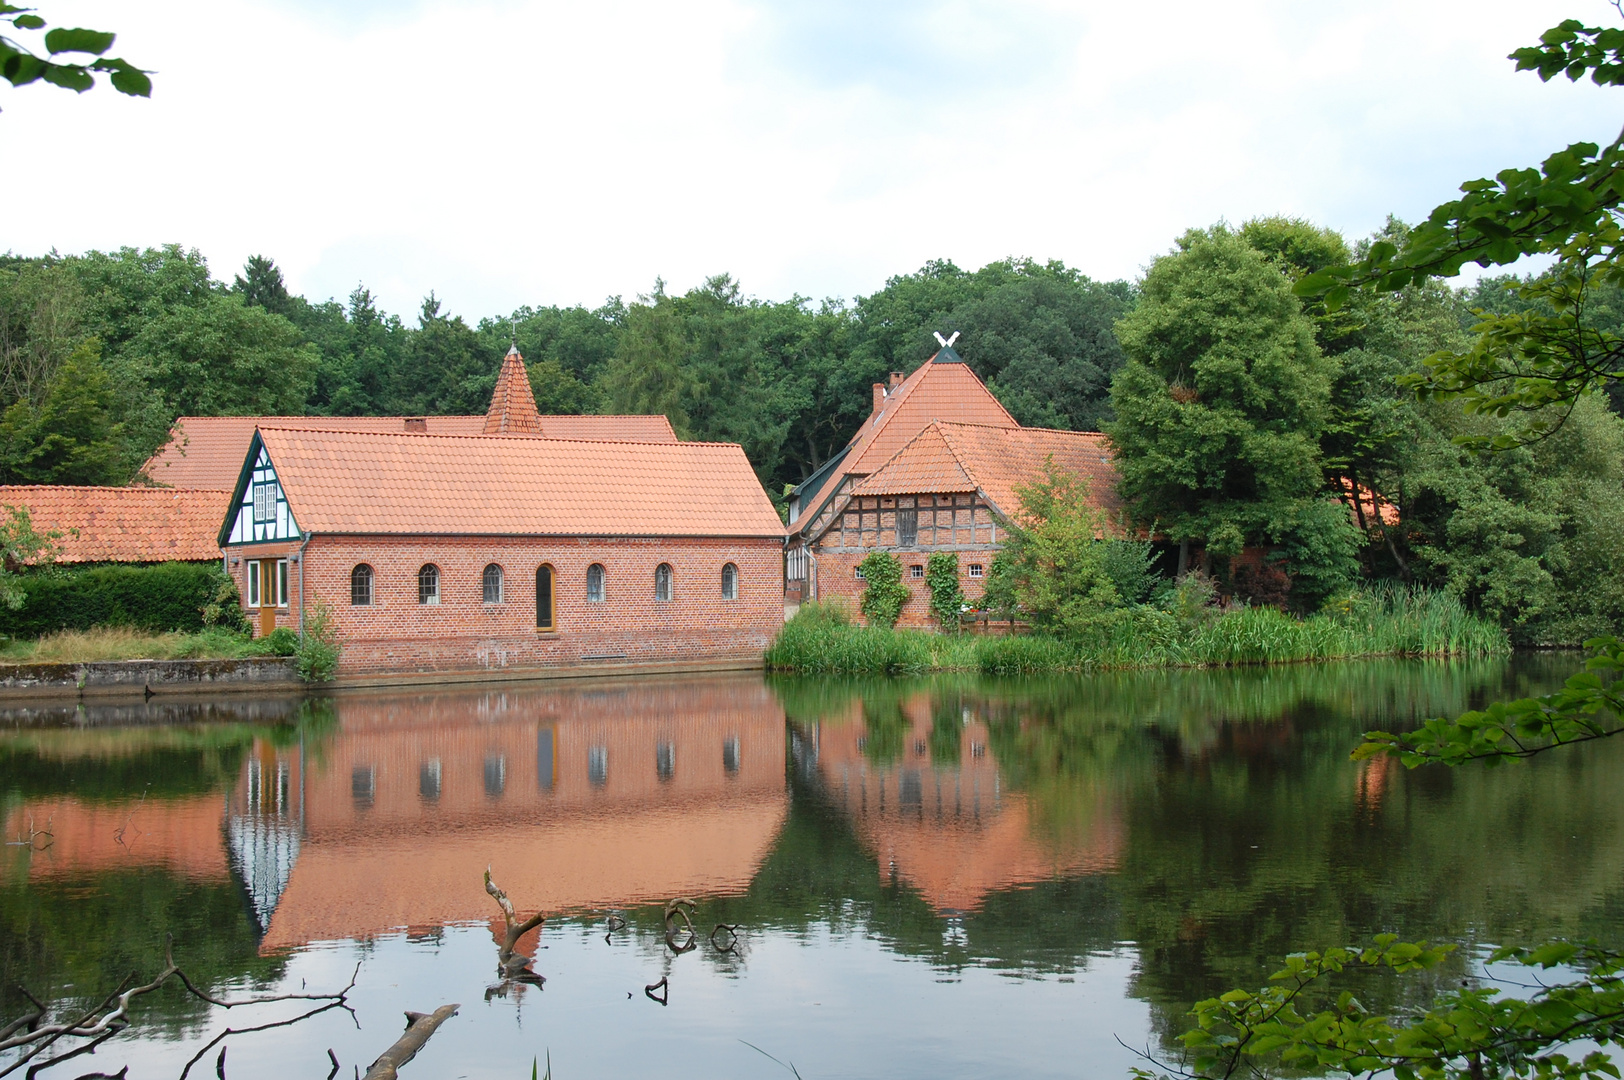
x: 126, y: 78
x: 71, y: 76
x: 28, y: 22
x: 64, y: 39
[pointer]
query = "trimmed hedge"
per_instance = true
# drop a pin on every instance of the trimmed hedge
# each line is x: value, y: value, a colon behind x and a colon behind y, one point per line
x: 157, y: 599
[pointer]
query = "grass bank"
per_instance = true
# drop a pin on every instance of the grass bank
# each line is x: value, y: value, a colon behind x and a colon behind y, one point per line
x: 1384, y: 622
x: 124, y: 643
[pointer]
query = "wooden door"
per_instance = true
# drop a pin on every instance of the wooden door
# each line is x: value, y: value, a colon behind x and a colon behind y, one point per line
x: 267, y: 596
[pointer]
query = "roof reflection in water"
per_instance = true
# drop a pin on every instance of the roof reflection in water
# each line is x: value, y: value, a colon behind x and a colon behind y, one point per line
x: 935, y: 812
x: 578, y: 799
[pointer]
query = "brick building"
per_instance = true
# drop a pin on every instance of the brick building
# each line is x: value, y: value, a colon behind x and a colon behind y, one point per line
x: 934, y: 468
x: 507, y: 550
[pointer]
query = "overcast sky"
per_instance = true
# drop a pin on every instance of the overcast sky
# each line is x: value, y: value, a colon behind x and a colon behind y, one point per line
x: 548, y: 152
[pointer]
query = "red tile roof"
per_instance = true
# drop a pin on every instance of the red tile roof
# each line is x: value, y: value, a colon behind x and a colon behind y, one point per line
x: 958, y: 458
x: 936, y: 391
x: 1369, y: 503
x: 609, y: 428
x: 138, y: 524
x: 513, y: 404
x: 207, y: 451
x: 495, y: 485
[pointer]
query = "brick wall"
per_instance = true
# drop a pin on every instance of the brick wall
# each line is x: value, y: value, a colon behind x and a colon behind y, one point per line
x: 837, y: 579
x: 462, y: 633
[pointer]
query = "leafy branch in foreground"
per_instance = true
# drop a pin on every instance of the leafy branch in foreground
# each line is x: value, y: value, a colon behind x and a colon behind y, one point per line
x: 1472, y: 1032
x: 1569, y: 208
x: 1589, y: 706
x: 20, y: 66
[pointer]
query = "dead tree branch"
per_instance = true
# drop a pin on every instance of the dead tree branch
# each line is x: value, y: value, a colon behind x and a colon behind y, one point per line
x: 112, y: 1015
x: 419, y: 1026
x: 511, y: 964
x: 673, y: 908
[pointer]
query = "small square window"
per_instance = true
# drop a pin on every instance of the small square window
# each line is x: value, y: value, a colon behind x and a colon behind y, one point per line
x: 975, y: 569
x: 858, y: 570
x: 916, y: 571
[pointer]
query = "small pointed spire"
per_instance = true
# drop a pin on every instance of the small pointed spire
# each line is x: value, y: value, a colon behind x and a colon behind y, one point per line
x: 513, y: 406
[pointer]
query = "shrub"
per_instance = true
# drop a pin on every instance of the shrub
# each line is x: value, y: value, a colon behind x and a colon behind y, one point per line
x: 279, y: 642
x: 1130, y: 564
x: 318, y: 652
x: 157, y: 599
x: 946, y: 598
x: 885, y: 595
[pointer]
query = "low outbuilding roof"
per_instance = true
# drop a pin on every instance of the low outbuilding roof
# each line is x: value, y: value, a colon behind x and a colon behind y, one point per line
x: 497, y: 485
x: 130, y: 524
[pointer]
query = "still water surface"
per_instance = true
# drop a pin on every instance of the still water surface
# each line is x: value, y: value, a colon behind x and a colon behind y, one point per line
x: 934, y: 878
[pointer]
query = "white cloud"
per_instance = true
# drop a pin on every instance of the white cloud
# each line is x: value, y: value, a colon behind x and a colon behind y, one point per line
x: 545, y: 152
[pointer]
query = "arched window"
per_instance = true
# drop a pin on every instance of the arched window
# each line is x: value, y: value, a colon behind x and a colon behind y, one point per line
x: 428, y: 584
x: 493, y: 584
x: 594, y: 583
x: 662, y: 581
x: 544, y: 597
x: 730, y: 582
x: 361, y: 585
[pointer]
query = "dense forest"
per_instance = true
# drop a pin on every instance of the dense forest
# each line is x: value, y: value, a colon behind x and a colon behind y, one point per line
x: 1237, y: 409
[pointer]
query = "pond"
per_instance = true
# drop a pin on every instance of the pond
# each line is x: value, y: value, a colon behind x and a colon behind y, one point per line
x: 929, y: 878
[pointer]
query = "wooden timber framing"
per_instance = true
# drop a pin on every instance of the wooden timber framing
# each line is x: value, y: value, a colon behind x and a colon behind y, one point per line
x: 937, y: 523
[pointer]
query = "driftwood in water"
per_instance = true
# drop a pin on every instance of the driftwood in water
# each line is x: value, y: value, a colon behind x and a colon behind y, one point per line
x: 674, y: 908
x: 419, y: 1026
x: 511, y: 964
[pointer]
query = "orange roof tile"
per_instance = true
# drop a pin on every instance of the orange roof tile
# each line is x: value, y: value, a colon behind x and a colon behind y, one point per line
x: 948, y: 457
x: 513, y: 404
x: 938, y: 390
x: 1369, y: 503
x: 135, y: 524
x: 609, y: 428
x: 495, y: 485
x: 207, y: 451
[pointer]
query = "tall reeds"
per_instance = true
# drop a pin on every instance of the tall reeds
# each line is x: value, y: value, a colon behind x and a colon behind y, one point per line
x: 1384, y: 620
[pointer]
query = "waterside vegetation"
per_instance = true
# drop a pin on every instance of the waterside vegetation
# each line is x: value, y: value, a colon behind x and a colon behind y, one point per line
x: 1389, y: 621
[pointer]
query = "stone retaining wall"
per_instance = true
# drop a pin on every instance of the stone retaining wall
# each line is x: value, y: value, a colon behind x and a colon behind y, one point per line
x: 148, y: 677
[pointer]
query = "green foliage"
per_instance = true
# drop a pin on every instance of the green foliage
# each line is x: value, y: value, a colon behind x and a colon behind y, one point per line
x: 279, y: 642
x: 1130, y: 565
x: 318, y: 649
x: 1220, y: 408
x: 885, y: 593
x: 169, y: 596
x: 21, y: 546
x: 1184, y: 630
x: 1471, y: 1032
x: 1589, y: 707
x: 1054, y: 562
x: 946, y: 598
x: 20, y: 65
x: 1532, y: 536
x: 70, y: 438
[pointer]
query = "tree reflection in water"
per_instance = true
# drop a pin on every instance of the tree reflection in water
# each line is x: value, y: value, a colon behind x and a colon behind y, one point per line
x: 1203, y: 822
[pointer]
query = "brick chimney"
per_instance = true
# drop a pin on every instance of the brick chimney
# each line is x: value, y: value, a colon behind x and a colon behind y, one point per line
x: 879, y: 397
x: 417, y: 423
x: 896, y: 380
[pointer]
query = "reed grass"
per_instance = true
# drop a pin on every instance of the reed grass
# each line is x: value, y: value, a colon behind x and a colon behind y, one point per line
x: 1384, y: 620
x: 124, y: 643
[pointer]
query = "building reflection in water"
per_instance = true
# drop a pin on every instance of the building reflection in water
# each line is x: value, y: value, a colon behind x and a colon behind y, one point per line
x: 578, y: 799
x: 933, y: 808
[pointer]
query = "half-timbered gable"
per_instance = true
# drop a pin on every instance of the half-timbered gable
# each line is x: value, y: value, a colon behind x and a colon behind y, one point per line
x: 261, y: 506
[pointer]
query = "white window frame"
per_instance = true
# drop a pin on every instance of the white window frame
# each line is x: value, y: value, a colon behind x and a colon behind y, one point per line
x: 595, y: 596
x: 253, y: 582
x: 485, y: 584
x: 282, y: 583
x: 915, y: 571
x: 975, y: 570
